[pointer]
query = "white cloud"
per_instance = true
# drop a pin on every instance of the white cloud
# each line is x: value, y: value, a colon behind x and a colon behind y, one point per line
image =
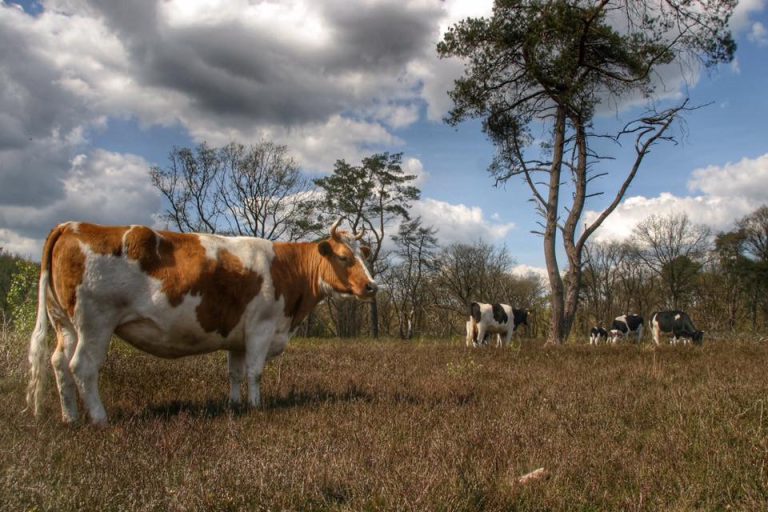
x: 524, y: 270
x: 744, y: 12
x: 27, y: 247
x: 415, y: 167
x: 101, y: 187
x: 725, y: 194
x: 459, y: 222
x: 745, y: 180
x: 758, y: 34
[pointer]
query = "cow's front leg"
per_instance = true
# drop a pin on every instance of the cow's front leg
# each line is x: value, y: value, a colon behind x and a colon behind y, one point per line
x: 480, y: 335
x: 236, y: 363
x: 257, y: 346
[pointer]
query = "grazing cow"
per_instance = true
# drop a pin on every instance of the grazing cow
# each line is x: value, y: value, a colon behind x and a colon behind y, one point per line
x: 597, y: 334
x: 499, y: 319
x: 174, y: 295
x: 677, y: 323
x: 625, y: 325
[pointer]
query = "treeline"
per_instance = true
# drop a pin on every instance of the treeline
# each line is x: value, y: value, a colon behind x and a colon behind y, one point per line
x: 669, y: 262
x: 428, y: 290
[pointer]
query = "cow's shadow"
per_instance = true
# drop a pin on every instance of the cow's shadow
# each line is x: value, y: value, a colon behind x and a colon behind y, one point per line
x: 215, y: 408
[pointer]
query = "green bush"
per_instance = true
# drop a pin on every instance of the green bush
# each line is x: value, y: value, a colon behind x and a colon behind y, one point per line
x: 22, y: 296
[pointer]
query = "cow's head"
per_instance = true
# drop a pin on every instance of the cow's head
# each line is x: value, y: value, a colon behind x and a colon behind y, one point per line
x: 521, y: 316
x: 344, y: 272
x: 698, y: 337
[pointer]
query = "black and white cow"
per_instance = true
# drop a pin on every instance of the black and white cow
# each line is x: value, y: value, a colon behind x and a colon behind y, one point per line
x: 625, y: 325
x: 597, y: 334
x: 677, y: 323
x: 489, y: 319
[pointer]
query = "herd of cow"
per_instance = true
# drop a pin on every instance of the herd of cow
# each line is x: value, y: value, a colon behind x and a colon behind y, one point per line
x: 502, y: 320
x: 173, y: 295
x: 674, y: 322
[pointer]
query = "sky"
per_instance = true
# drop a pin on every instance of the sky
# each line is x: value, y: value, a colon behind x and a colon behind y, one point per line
x: 95, y: 92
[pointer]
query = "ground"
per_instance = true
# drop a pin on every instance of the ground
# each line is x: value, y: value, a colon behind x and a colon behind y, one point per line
x: 361, y: 425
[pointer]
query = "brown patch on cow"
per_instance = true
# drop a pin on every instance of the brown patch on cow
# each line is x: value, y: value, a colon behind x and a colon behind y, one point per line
x: 101, y: 239
x: 67, y: 269
x: 295, y: 274
x: 179, y: 261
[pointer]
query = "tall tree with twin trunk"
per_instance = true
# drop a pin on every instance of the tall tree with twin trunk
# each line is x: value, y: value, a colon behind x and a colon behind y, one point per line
x: 541, y: 66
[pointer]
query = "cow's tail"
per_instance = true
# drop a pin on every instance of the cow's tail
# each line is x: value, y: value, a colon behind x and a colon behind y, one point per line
x: 38, y: 347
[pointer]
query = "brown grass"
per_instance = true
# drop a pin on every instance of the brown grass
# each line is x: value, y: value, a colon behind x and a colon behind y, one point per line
x: 399, y: 426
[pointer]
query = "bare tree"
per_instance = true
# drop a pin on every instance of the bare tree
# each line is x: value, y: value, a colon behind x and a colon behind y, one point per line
x: 470, y: 273
x: 252, y: 191
x: 755, y: 231
x: 416, y: 254
x: 674, y: 249
x: 601, y: 286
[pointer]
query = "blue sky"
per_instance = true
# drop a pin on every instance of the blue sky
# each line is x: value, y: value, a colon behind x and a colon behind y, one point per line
x: 96, y: 92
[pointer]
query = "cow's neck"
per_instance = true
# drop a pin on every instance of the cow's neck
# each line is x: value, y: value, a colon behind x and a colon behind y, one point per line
x: 296, y: 277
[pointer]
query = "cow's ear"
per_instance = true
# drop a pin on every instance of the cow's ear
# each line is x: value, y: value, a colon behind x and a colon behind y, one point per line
x: 366, y: 251
x: 325, y: 248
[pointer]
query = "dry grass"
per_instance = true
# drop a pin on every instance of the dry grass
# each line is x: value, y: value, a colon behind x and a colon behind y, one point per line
x: 397, y: 426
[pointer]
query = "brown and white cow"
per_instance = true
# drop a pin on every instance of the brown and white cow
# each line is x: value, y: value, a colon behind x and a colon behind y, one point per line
x: 174, y: 295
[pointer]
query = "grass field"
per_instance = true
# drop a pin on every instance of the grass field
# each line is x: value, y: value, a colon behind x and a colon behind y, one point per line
x: 404, y: 426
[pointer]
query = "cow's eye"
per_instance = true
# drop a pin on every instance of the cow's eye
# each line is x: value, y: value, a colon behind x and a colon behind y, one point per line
x: 344, y: 259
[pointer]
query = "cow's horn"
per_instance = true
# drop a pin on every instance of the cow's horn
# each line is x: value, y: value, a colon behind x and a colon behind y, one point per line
x: 334, y: 226
x: 359, y: 236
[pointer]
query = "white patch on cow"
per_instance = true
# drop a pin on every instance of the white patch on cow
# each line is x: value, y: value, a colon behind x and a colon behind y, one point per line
x: 329, y: 291
x: 365, y: 267
x: 72, y: 225
x: 354, y: 246
x: 677, y: 316
x: 256, y: 254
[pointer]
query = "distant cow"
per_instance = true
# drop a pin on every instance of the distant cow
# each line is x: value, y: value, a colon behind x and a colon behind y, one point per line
x: 174, y: 295
x: 677, y: 323
x: 488, y: 319
x: 597, y: 334
x: 626, y: 325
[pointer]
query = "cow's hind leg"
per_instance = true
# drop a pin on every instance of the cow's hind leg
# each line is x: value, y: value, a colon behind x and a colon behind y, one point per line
x: 507, y: 337
x: 66, y: 341
x: 90, y: 353
x: 236, y: 362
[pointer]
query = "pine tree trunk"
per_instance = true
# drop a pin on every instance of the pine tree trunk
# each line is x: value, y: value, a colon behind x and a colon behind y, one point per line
x: 556, y: 334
